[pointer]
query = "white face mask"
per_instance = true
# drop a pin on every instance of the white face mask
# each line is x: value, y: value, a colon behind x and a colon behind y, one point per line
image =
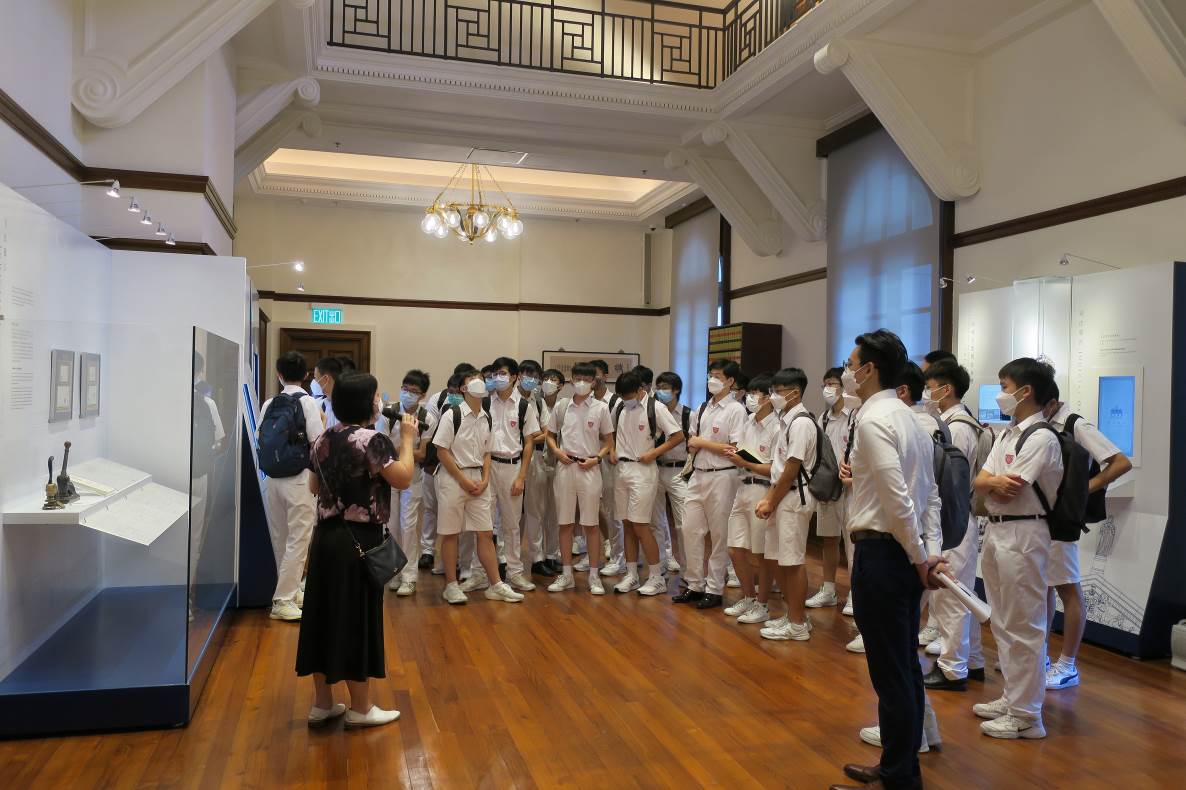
x: 751, y: 403
x: 502, y: 382
x: 476, y: 388
x: 582, y: 387
x: 930, y: 403
x: 715, y: 385
x: 1007, y: 402
x: 779, y: 402
x: 852, y: 402
x: 831, y: 395
x: 549, y: 388
x: 848, y: 380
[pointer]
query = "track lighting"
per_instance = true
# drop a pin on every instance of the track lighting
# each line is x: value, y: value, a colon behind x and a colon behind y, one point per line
x: 172, y: 242
x: 134, y: 206
x: 943, y: 281
x: 160, y: 229
x: 113, y: 190
x: 971, y: 278
x: 301, y: 287
x: 146, y: 219
x: 1065, y: 260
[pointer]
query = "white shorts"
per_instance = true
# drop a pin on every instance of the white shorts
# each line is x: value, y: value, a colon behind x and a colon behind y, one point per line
x: 746, y: 530
x: 793, y: 526
x: 830, y: 516
x: 576, y: 486
x: 1063, y: 567
x: 635, y: 486
x: 459, y: 511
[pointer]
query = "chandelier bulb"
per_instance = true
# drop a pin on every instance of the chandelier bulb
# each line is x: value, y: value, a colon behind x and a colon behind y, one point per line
x: 452, y: 218
x: 430, y: 223
x: 481, y: 219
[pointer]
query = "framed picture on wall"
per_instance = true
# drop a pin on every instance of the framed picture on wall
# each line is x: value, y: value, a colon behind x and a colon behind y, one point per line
x: 619, y: 361
x: 88, y: 385
x: 61, y: 385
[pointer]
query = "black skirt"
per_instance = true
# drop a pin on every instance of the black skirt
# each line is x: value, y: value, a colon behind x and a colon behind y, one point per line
x: 342, y: 619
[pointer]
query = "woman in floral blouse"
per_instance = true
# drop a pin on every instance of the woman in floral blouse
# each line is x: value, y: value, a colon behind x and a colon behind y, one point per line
x: 341, y: 637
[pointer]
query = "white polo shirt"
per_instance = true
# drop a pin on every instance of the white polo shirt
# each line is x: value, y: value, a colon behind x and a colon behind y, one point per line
x: 472, y: 440
x: 796, y: 439
x: 1093, y: 441
x: 584, y: 425
x: 504, y: 415
x: 721, y: 422
x: 633, y: 432
x: 835, y: 427
x: 963, y: 436
x: 679, y: 453
x: 1040, y: 460
x: 760, y: 437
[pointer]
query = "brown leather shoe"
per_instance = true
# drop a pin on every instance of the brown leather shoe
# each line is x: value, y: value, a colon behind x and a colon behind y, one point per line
x: 863, y: 773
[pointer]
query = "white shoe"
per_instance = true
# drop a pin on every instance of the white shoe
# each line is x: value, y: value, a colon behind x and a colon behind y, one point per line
x: 595, y: 585
x: 857, y: 645
x: 285, y: 610
x: 521, y: 583
x: 778, y: 631
x: 1058, y: 676
x: 582, y: 565
x: 319, y: 717
x: 438, y: 570
x: 797, y: 632
x: 629, y: 584
x: 991, y: 710
x: 872, y: 736
x: 758, y: 613
x: 731, y: 579
x: 825, y: 597
x: 927, y: 635
x: 741, y: 607
x: 780, y: 622
x: 503, y: 592
x: 672, y: 566
x: 561, y: 583
x: 616, y: 568
x: 935, y: 648
x: 454, y: 595
x: 606, y: 550
x: 405, y: 589
x: 655, y: 585
x: 847, y: 610
x: 1010, y: 728
x: 299, y: 599
x: 375, y: 717
x: 478, y: 580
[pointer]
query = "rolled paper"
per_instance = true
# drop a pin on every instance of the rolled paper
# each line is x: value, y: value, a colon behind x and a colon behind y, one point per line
x: 979, y: 609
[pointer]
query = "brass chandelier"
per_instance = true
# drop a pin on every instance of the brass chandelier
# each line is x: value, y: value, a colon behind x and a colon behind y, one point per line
x: 473, y: 219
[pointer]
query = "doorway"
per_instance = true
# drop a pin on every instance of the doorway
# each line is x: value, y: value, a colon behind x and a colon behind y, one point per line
x: 315, y: 344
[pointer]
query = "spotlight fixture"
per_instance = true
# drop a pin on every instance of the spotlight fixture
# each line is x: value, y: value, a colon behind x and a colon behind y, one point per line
x: 134, y: 206
x: 113, y: 190
x: 1065, y: 260
x: 172, y: 242
x: 943, y: 282
x: 160, y: 229
x: 298, y: 266
x: 301, y: 287
x: 971, y: 278
x: 146, y: 219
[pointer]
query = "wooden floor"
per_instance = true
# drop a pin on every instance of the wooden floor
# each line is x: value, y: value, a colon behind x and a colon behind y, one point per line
x: 570, y: 690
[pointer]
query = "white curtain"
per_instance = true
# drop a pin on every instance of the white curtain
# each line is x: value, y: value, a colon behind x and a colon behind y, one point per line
x: 694, y: 255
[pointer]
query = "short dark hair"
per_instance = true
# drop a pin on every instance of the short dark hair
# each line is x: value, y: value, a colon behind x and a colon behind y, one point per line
x: 727, y: 366
x: 646, y: 374
x: 1029, y: 372
x: 911, y: 377
x: 762, y: 382
x: 330, y: 366
x: 506, y: 362
x: 292, y: 366
x: 530, y: 367
x: 790, y: 377
x: 938, y: 355
x: 486, y: 371
x: 354, y: 398
x: 1054, y: 391
x: 628, y: 383
x: 455, y: 381
x: 553, y: 373
x: 417, y: 378
x: 887, y: 353
x: 948, y: 371
x: 584, y: 369
x: 461, y: 367
x: 671, y: 379
x: 833, y: 373
x: 742, y: 381
x: 600, y: 364
x: 348, y: 365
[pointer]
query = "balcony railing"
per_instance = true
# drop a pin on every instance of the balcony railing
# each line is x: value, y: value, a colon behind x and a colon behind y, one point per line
x: 662, y: 42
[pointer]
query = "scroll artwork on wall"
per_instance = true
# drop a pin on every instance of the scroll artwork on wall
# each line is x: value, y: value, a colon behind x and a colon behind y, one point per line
x: 88, y: 385
x: 618, y: 361
x: 61, y: 385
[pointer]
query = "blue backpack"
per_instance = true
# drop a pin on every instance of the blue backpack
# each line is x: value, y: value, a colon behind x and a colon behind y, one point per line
x: 283, y: 442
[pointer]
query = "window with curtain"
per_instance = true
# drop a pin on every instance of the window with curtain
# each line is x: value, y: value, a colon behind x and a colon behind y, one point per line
x: 883, y: 248
x: 695, y: 261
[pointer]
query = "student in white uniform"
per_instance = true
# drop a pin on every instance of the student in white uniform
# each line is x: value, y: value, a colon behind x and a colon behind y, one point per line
x: 659, y: 526
x: 716, y: 430
x: 463, y: 489
x: 325, y: 374
x: 611, y: 527
x: 543, y: 531
x: 428, y: 526
x: 643, y: 431
x: 1017, y: 548
x: 673, y: 488
x: 513, y: 422
x: 789, y: 504
x: 830, y: 517
x: 579, y: 435
x: 407, y: 505
x: 961, y: 658
x: 535, y: 492
x: 1063, y: 574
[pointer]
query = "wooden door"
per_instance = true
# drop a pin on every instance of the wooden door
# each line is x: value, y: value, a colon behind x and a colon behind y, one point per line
x: 315, y: 344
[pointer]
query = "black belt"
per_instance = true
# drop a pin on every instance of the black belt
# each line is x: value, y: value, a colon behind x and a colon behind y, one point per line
x: 627, y: 460
x: 578, y: 459
x: 1001, y: 519
x: 870, y: 534
x: 717, y: 469
x: 755, y: 481
x: 672, y: 464
x: 498, y: 460
x: 469, y: 467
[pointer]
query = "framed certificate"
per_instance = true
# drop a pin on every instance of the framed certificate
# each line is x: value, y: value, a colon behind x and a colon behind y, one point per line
x: 88, y: 385
x: 618, y: 361
x: 61, y: 385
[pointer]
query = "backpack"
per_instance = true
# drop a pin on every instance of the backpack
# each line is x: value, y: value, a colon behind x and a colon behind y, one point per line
x: 953, y: 477
x: 1097, y: 506
x: 283, y: 442
x: 824, y: 480
x: 1068, y: 519
x: 657, y: 438
x: 984, y: 442
x: 431, y: 459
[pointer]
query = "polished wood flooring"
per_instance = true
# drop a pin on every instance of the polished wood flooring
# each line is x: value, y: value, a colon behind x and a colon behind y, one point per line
x: 569, y: 690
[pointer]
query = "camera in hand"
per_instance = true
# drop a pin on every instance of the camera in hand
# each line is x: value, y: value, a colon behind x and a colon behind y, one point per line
x: 392, y: 410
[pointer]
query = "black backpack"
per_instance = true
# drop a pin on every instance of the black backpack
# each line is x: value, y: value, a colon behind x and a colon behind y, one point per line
x: 824, y: 480
x: 283, y: 442
x: 431, y: 459
x: 1068, y: 519
x: 953, y: 477
x: 1097, y: 506
x: 657, y: 438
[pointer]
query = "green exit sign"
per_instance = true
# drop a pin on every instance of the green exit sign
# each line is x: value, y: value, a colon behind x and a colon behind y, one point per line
x: 327, y: 315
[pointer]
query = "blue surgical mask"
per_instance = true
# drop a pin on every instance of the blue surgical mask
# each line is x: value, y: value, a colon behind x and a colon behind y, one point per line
x: 630, y: 404
x: 665, y: 396
x: 502, y: 383
x: 528, y: 384
x: 491, y: 384
x: 315, y: 389
x: 408, y: 400
x: 454, y: 399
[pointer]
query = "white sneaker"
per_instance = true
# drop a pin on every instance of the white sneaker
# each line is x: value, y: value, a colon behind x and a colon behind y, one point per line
x: 521, y: 582
x: 741, y: 607
x: 285, y: 610
x: 872, y: 736
x: 825, y: 597
x: 319, y: 717
x: 595, y: 585
x: 629, y: 584
x: 780, y: 622
x: 375, y: 717
x: 672, y: 566
x: 777, y: 631
x: 731, y: 579
x: 758, y: 613
x: 478, y: 580
x: 927, y: 635
x: 582, y: 565
x: 453, y: 594
x: 1059, y: 676
x: 299, y: 599
x: 857, y: 645
x: 797, y: 632
x: 606, y: 550
x: 847, y: 610
x: 561, y: 583
x: 616, y: 568
x: 1010, y: 728
x: 405, y: 589
x: 655, y: 585
x: 991, y: 710
x: 503, y: 592
x: 935, y: 648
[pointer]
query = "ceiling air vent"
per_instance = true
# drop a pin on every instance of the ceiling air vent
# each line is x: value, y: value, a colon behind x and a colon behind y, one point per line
x: 493, y: 156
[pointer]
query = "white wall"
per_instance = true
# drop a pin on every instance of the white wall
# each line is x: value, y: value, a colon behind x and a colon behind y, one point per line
x: 36, y: 63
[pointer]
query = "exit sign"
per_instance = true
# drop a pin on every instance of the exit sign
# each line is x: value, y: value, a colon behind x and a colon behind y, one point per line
x: 327, y: 315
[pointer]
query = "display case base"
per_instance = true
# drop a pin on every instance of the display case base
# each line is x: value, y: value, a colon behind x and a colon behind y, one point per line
x: 119, y: 663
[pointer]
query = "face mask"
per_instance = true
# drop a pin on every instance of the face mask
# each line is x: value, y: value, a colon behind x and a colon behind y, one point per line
x: 665, y: 396
x: 831, y: 395
x: 477, y: 388
x: 630, y: 404
x: 502, y: 383
x: 408, y: 400
x: 549, y: 387
x: 454, y: 399
x: 715, y: 385
x: 852, y: 402
x: 751, y: 403
x: 779, y: 402
x: 528, y: 384
x: 582, y: 387
x: 1007, y: 402
x: 848, y: 380
x: 315, y: 389
x: 930, y: 403
x: 489, y: 386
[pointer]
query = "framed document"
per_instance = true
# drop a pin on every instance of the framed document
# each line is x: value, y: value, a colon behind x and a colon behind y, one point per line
x: 61, y: 385
x: 88, y: 385
x: 618, y: 361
